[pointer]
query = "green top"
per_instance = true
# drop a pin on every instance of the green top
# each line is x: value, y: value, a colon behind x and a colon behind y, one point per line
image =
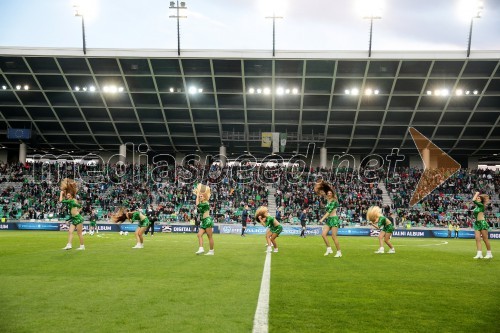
x: 270, y: 222
x: 203, y: 207
x: 332, y: 205
x: 136, y: 216
x: 479, y: 209
x: 71, y: 203
x: 382, y: 221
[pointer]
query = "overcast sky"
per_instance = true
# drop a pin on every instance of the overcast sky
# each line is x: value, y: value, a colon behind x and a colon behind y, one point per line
x: 241, y: 24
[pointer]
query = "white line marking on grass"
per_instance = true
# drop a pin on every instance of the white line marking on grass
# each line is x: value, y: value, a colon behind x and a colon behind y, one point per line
x: 442, y: 243
x: 260, y: 321
x: 434, y: 244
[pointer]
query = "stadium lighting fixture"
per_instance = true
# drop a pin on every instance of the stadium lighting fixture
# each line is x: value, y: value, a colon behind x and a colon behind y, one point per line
x: 176, y: 7
x: 280, y: 91
x: 475, y: 92
x: 80, y: 12
x: 295, y: 91
x: 471, y: 9
x: 171, y: 89
x: 259, y: 91
x: 92, y: 88
x: 251, y: 90
x: 4, y: 87
x: 459, y: 92
x: 370, y: 10
x: 267, y: 91
x: 272, y: 7
x: 18, y: 87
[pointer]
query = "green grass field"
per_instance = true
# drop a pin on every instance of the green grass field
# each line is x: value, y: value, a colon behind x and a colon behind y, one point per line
x: 427, y: 286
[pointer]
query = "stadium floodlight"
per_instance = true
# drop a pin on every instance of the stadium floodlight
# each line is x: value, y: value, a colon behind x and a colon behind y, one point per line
x: 176, y: 7
x: 79, y: 11
x: 370, y: 10
x: 272, y: 8
x: 471, y: 9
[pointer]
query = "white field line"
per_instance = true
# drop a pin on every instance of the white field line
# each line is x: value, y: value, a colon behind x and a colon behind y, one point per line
x: 260, y: 321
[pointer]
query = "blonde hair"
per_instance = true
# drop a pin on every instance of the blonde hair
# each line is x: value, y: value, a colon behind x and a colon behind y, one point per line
x: 485, y: 199
x: 261, y: 211
x: 69, y: 186
x: 204, y: 190
x: 373, y: 213
x: 120, y: 215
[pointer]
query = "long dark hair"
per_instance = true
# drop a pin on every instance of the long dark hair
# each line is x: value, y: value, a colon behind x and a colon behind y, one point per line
x: 120, y: 215
x: 321, y: 188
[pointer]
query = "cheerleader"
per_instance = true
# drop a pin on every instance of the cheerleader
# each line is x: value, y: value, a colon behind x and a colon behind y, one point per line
x: 202, y: 193
x: 275, y: 228
x: 68, y: 197
x: 377, y: 220
x: 326, y: 190
x: 481, y: 226
x: 124, y: 214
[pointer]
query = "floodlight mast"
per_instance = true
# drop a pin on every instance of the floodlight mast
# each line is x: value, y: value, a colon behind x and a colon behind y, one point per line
x: 371, y: 18
x: 274, y: 17
x: 177, y: 7
x: 79, y: 12
x: 476, y: 14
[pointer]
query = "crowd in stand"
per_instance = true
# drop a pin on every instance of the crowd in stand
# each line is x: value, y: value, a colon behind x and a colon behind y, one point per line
x: 29, y: 191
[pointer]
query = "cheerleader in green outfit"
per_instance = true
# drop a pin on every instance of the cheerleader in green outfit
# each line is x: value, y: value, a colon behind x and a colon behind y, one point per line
x: 202, y: 193
x: 377, y: 220
x: 68, y: 197
x: 275, y: 228
x: 326, y: 190
x: 481, y: 226
x: 123, y: 214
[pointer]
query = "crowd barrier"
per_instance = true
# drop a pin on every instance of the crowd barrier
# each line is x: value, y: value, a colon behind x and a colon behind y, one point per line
x: 251, y: 230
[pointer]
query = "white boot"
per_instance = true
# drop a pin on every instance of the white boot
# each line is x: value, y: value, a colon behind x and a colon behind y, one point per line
x: 338, y: 254
x: 479, y: 255
x: 210, y: 253
x: 82, y: 247
x: 393, y: 250
x: 67, y: 247
x: 328, y: 251
x: 488, y: 255
x: 138, y: 246
x: 200, y: 250
x: 380, y: 250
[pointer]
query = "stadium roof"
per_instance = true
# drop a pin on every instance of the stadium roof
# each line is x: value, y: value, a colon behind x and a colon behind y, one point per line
x: 343, y: 101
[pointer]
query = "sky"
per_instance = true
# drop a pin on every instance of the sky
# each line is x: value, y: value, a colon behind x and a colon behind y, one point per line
x: 323, y: 25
